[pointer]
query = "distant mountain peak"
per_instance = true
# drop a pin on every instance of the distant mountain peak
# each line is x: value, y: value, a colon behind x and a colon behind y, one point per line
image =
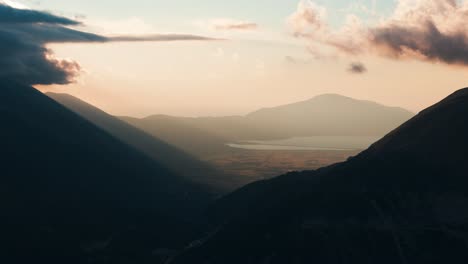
x: 331, y: 96
x: 338, y: 98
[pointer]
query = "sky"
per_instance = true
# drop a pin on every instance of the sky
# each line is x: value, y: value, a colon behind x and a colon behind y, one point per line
x: 258, y: 54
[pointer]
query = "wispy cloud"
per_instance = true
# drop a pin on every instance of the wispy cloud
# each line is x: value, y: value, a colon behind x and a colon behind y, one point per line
x: 297, y: 61
x: 237, y: 26
x: 430, y: 30
x: 160, y: 37
x: 229, y: 24
x: 24, y: 34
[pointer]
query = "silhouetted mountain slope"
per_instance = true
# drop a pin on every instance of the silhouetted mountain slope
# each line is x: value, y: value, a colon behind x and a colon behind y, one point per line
x: 173, y: 158
x: 72, y: 193
x: 325, y: 115
x: 181, y: 134
x: 404, y: 200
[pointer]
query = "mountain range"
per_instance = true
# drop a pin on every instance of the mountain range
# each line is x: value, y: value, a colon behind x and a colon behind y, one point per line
x: 403, y: 200
x: 325, y: 115
x: 78, y: 187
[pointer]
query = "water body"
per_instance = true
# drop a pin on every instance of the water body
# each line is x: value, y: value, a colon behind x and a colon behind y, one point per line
x: 309, y: 143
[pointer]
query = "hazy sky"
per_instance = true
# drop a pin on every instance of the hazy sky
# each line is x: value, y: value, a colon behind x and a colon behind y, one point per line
x: 269, y: 53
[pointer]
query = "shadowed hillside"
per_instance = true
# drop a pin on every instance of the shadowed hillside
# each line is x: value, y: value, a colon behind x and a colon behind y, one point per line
x: 177, y: 160
x: 72, y: 193
x: 181, y: 134
x: 403, y: 200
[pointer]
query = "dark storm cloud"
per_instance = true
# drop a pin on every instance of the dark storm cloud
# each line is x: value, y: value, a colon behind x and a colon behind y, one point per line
x: 24, y: 35
x: 357, y: 68
x: 28, y: 62
x: 49, y: 33
x: 428, y: 42
x: 23, y: 55
x: 12, y: 15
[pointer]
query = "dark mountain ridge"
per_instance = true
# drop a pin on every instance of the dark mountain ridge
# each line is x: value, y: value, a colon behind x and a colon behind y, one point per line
x: 72, y: 193
x: 404, y: 200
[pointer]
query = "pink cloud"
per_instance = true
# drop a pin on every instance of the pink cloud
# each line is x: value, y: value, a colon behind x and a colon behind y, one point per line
x: 429, y: 30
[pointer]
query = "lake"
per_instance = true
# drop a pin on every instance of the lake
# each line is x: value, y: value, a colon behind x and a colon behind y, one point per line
x: 309, y: 143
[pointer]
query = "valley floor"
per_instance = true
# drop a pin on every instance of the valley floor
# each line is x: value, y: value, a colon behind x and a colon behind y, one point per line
x: 253, y: 165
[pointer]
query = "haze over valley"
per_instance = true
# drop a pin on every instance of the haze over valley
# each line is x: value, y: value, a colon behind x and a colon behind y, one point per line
x: 250, y: 147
